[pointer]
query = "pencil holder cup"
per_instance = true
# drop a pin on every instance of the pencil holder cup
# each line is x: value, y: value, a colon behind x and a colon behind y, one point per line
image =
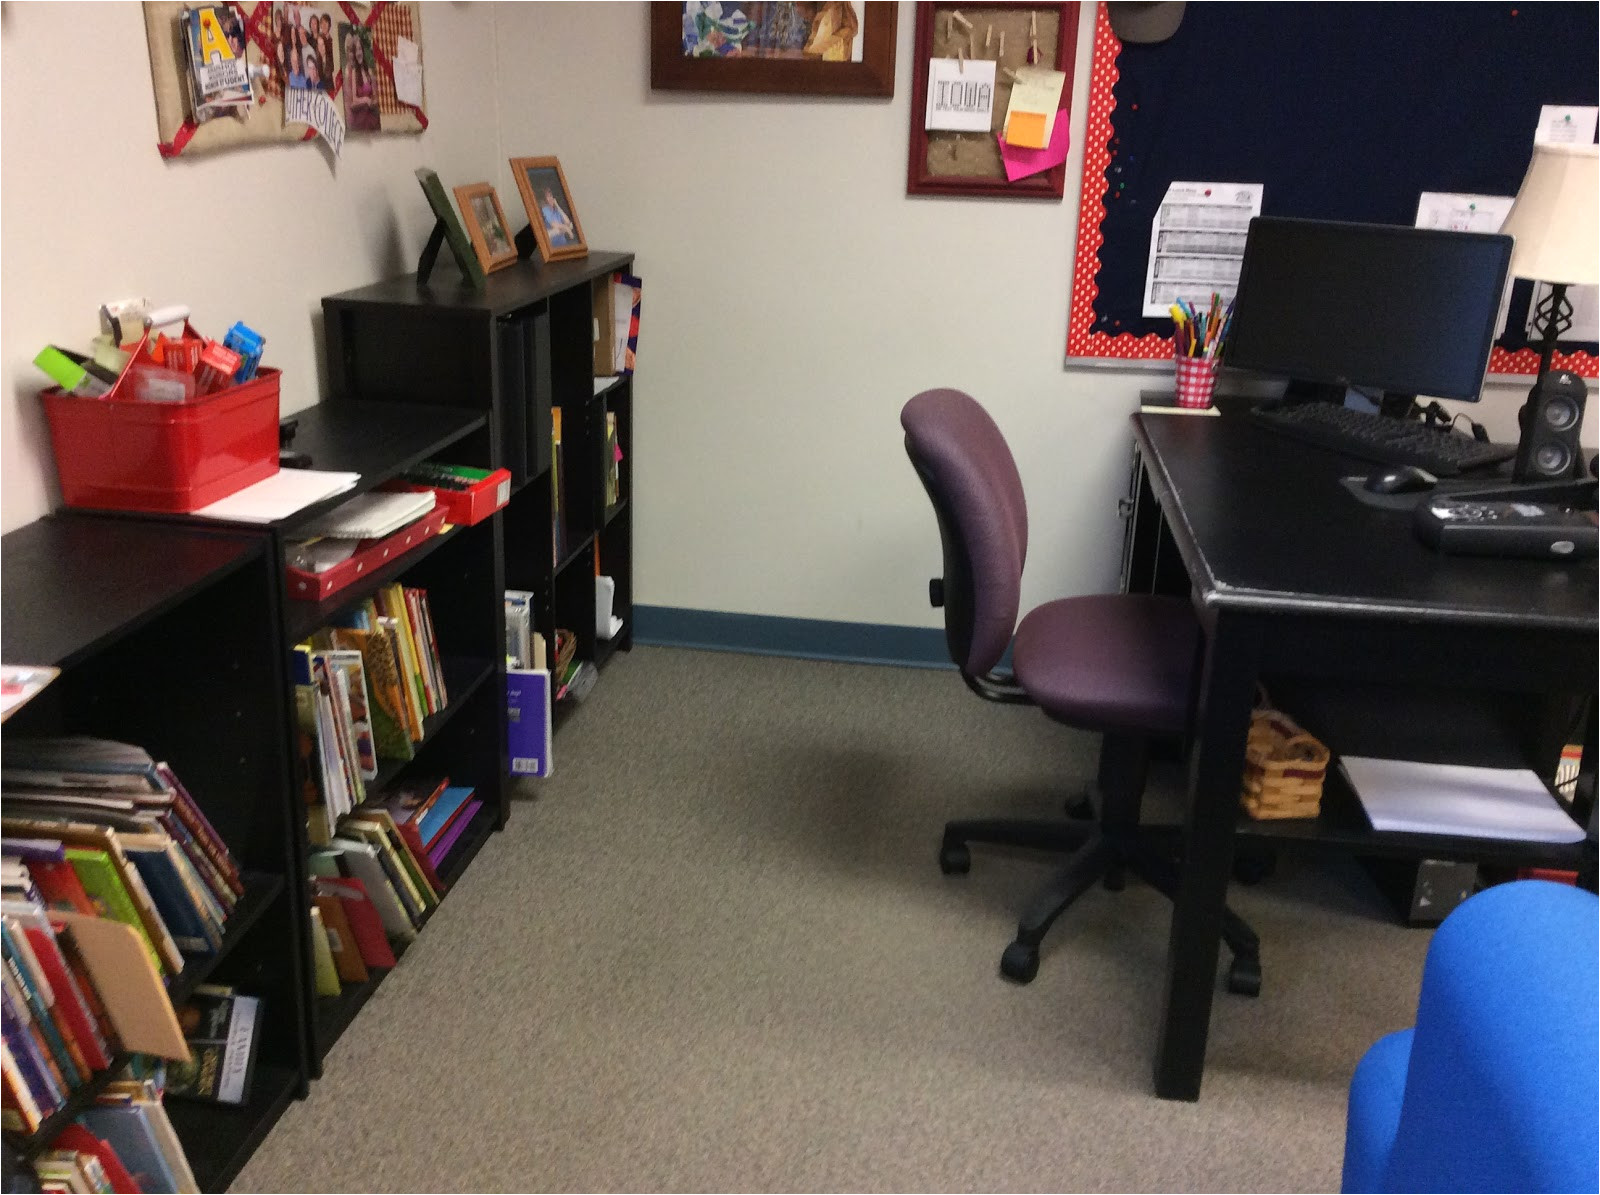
x: 1196, y: 381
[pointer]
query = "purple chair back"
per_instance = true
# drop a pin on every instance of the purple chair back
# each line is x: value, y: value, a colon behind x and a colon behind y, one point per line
x: 971, y: 477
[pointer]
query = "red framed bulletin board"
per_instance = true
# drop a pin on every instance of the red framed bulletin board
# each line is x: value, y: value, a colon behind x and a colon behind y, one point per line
x: 1084, y: 343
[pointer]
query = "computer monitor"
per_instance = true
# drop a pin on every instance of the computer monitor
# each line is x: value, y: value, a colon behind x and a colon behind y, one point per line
x: 1376, y: 306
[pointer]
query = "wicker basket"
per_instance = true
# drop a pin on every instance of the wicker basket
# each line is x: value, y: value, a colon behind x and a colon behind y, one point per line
x: 1283, y: 768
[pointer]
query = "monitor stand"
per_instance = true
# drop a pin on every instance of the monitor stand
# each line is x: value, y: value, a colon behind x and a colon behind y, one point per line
x: 1391, y: 406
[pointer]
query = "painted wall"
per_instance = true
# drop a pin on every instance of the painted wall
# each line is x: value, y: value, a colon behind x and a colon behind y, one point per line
x: 89, y: 212
x: 795, y: 296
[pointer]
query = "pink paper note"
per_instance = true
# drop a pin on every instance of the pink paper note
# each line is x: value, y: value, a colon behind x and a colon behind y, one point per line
x: 1020, y: 163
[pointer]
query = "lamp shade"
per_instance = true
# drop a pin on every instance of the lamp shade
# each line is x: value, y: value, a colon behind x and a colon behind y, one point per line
x: 1556, y: 218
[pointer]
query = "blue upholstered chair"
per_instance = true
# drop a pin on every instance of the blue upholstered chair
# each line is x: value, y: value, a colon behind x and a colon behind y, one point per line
x: 1121, y: 664
x: 1497, y: 1086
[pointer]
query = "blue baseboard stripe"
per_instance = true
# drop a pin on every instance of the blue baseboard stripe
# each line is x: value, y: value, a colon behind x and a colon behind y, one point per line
x: 807, y: 638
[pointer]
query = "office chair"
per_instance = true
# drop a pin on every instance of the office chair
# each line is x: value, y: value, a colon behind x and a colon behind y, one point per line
x: 1117, y: 663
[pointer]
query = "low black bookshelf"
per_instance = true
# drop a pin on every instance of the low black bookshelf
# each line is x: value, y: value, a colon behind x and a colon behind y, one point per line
x: 164, y: 637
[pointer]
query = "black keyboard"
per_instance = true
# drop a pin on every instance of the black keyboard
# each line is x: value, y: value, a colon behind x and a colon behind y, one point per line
x: 1440, y: 451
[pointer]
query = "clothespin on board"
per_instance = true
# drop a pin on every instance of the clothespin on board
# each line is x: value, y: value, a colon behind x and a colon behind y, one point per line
x: 1010, y: 74
x: 1002, y: 52
x: 955, y: 15
x: 949, y: 27
x: 961, y: 59
x: 988, y: 36
x: 1033, y: 37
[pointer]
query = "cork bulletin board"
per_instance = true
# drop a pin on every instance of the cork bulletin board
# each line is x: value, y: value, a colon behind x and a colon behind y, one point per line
x: 962, y: 163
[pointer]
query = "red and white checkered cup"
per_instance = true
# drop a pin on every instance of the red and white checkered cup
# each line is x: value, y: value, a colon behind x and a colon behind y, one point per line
x: 1197, y: 381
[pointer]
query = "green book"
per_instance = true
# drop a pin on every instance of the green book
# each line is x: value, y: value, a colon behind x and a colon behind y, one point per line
x: 99, y: 877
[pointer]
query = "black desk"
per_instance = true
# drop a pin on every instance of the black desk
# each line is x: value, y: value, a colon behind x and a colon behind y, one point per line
x: 1290, y: 575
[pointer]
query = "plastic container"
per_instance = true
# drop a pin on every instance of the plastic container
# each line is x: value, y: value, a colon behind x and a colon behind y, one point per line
x: 467, y: 506
x: 118, y: 454
x: 313, y: 587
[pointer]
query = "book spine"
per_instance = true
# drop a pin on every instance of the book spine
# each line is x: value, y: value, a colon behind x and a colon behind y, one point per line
x: 188, y: 809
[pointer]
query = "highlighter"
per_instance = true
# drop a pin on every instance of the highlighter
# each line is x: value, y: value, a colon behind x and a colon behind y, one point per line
x: 71, y: 376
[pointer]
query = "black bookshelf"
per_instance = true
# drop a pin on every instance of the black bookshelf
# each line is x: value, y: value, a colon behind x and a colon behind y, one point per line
x: 164, y: 637
x: 516, y: 352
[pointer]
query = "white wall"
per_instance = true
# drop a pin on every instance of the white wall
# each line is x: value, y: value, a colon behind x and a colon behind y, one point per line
x: 89, y: 211
x: 795, y: 296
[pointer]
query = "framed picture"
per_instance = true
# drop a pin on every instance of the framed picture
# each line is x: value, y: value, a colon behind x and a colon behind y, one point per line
x: 776, y: 49
x: 1002, y: 38
x: 486, y: 225
x: 543, y: 185
x: 445, y: 223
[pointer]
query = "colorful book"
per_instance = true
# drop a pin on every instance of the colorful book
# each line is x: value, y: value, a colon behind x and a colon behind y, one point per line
x: 326, y: 973
x: 444, y: 812
x: 347, y: 959
x: 386, y: 714
x: 103, y: 881
x: 366, y: 926
x: 438, y: 852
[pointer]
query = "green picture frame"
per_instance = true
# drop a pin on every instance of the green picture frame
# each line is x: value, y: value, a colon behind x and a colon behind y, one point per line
x: 446, y: 219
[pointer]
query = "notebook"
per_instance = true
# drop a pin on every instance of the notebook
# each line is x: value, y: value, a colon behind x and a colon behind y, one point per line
x: 373, y: 515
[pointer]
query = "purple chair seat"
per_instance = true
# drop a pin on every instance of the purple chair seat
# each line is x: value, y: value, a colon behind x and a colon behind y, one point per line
x: 1109, y: 661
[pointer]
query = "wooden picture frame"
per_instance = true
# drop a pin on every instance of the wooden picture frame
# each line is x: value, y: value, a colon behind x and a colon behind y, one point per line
x: 493, y: 244
x: 777, y: 72
x: 558, y: 232
x: 969, y: 164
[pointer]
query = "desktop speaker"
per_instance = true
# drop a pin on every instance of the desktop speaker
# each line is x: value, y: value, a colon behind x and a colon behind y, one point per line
x: 1551, y: 420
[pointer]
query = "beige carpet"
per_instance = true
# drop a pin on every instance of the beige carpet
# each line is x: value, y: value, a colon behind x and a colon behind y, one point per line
x: 715, y: 952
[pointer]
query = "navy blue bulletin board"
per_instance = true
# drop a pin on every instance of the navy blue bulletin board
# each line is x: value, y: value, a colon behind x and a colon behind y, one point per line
x: 1343, y: 111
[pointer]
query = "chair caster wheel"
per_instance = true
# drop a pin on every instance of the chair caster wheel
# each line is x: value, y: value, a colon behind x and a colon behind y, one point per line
x: 1081, y: 808
x: 1244, y: 975
x: 955, y: 859
x: 1020, y: 962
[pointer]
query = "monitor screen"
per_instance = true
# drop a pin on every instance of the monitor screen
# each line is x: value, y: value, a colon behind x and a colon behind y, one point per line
x: 1406, y: 310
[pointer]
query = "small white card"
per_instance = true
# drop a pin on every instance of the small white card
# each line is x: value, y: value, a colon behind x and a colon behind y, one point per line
x: 407, y: 72
x: 960, y: 94
x: 1560, y: 125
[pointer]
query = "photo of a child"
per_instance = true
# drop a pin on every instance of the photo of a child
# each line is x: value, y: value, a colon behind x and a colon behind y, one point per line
x: 360, y: 88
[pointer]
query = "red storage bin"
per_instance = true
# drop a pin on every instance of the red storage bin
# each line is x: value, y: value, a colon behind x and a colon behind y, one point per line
x: 466, y: 507
x: 313, y: 587
x: 119, y: 454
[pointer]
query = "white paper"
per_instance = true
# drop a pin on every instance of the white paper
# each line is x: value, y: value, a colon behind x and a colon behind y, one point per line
x: 1197, y: 243
x: 1462, y: 213
x: 1585, y: 302
x: 960, y: 95
x: 407, y: 66
x: 1037, y: 89
x: 317, y: 109
x: 1560, y: 125
x: 20, y: 683
x: 279, y: 496
x: 1424, y: 798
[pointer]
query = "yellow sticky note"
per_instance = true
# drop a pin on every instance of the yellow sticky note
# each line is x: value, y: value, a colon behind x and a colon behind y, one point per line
x: 1026, y: 130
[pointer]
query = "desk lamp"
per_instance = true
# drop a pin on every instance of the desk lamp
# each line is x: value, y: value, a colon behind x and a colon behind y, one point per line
x: 1556, y: 223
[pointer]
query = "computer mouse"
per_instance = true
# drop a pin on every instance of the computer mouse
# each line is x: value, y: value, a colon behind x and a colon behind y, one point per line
x: 1401, y: 479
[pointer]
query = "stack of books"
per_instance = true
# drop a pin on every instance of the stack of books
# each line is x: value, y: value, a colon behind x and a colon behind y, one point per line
x: 123, y: 1142
x: 362, y: 692
x: 377, y: 879
x: 111, y: 877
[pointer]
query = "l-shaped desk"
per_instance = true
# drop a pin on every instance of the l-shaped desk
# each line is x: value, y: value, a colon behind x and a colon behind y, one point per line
x: 1291, y: 576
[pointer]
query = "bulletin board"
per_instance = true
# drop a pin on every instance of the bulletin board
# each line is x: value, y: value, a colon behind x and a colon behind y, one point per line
x: 181, y: 135
x: 943, y: 162
x: 1342, y: 111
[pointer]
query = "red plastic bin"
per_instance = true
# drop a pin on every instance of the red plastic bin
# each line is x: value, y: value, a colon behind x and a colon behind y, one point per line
x: 120, y: 454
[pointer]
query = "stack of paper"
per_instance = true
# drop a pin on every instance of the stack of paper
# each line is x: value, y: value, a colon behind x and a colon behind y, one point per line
x: 1426, y: 798
x: 279, y: 496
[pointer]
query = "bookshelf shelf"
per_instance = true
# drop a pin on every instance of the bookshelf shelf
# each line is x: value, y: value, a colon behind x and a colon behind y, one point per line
x: 259, y: 893
x: 29, y: 1145
x: 306, y: 617
x: 615, y: 509
x: 462, y: 679
x: 579, y: 552
x: 467, y: 847
x: 219, y: 1138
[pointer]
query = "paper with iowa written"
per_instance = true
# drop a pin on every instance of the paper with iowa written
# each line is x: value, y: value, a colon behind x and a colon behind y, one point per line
x: 1197, y: 243
x: 1031, y: 114
x: 960, y: 94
